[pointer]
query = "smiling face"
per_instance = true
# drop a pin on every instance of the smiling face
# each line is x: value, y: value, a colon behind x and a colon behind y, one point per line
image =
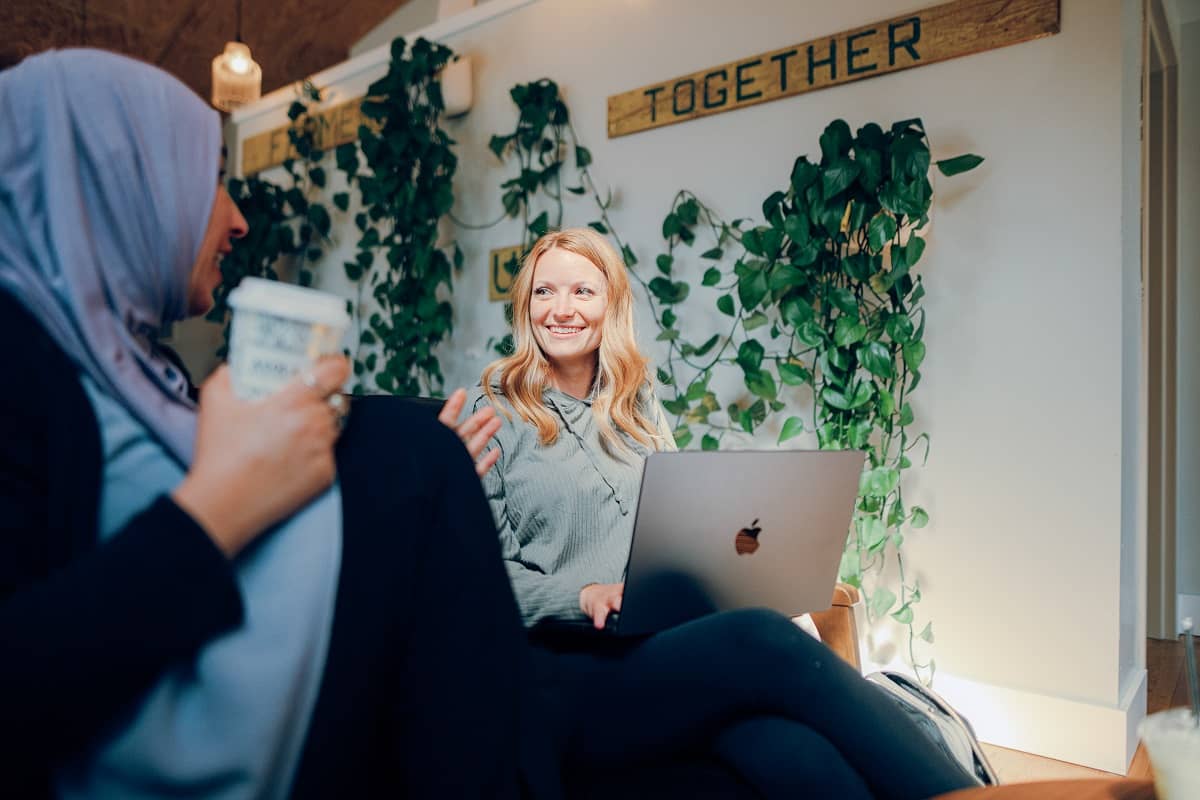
x: 225, y: 224
x: 566, y: 308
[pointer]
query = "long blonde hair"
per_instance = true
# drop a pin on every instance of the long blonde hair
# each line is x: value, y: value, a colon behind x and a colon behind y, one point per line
x: 623, y: 400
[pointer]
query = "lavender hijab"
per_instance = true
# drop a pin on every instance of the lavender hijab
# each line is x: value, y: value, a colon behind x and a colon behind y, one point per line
x: 108, y: 173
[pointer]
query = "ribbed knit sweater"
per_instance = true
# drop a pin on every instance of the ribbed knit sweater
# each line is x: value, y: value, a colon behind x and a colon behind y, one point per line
x: 564, y: 512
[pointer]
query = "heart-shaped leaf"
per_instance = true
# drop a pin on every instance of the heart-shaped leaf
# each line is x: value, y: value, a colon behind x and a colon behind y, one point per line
x: 881, y: 230
x: 793, y: 374
x: 877, y: 359
x: 750, y: 355
x: 792, y: 427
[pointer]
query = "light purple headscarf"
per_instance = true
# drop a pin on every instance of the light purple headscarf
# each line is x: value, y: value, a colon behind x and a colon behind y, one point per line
x: 108, y: 173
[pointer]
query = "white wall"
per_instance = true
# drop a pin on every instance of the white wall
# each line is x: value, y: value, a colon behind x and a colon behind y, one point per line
x: 1029, y: 566
x: 410, y: 16
x: 1188, y: 452
x: 1180, y: 13
x: 1134, y: 468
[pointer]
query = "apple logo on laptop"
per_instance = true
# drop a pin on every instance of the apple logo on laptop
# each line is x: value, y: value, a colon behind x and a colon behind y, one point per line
x: 746, y: 541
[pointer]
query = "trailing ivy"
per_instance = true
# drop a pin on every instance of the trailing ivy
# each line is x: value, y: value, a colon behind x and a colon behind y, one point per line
x: 308, y: 182
x: 404, y: 177
x: 403, y: 166
x: 538, y: 143
x: 822, y: 300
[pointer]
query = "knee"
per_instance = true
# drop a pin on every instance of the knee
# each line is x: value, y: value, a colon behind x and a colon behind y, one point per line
x: 771, y: 637
x: 781, y: 757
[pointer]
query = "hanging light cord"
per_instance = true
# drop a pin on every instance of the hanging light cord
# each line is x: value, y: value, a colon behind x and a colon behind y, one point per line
x: 239, y: 20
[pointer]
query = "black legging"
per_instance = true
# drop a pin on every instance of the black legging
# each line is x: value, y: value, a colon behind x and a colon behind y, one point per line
x: 781, y: 709
x: 424, y: 692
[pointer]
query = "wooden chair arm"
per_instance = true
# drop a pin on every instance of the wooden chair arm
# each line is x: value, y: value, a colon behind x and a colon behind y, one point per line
x: 836, y: 624
x: 1087, y: 789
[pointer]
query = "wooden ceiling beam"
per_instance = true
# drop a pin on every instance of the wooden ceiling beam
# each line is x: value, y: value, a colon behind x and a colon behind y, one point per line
x: 292, y: 39
x: 185, y: 20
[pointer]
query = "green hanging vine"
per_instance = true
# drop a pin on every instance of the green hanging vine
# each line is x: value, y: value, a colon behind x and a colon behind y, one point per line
x: 822, y: 297
x: 405, y: 180
x: 403, y: 166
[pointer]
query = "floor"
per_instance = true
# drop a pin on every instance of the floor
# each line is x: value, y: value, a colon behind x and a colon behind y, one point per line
x: 1166, y: 688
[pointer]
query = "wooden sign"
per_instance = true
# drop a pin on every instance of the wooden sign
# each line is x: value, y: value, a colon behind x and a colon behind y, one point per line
x: 499, y: 278
x: 959, y: 28
x: 334, y: 126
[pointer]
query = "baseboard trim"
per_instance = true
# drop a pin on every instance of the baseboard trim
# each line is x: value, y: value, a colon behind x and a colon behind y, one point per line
x: 1079, y: 732
x: 1188, y: 605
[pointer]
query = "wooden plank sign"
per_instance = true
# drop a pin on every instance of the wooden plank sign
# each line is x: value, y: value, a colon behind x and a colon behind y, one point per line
x: 954, y: 29
x: 499, y: 278
x: 335, y: 125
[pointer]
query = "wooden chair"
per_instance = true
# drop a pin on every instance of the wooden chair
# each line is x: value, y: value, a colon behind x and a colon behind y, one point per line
x: 836, y: 624
x: 1101, y: 789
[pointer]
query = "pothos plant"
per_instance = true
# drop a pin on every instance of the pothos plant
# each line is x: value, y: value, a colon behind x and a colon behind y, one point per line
x: 403, y: 166
x: 404, y: 177
x: 824, y: 314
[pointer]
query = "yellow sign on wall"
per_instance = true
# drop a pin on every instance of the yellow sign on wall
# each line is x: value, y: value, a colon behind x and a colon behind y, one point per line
x: 959, y: 28
x: 333, y: 126
x: 500, y: 279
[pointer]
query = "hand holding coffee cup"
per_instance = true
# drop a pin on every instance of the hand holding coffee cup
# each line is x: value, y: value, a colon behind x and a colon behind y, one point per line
x: 265, y: 434
x: 257, y: 461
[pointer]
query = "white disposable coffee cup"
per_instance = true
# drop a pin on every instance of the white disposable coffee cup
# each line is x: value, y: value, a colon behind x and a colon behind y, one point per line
x: 1173, y: 743
x: 278, y: 331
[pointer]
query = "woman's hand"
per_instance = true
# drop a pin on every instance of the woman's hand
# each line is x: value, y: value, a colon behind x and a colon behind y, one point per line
x: 476, y: 431
x: 258, y: 461
x: 598, y: 599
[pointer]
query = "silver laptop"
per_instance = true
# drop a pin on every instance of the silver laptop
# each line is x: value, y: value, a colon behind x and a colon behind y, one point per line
x: 735, y: 529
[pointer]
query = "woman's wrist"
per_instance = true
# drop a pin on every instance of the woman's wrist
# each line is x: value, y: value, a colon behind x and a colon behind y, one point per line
x: 214, y: 511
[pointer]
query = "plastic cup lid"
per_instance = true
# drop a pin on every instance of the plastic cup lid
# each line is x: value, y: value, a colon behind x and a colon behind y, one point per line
x: 289, y: 301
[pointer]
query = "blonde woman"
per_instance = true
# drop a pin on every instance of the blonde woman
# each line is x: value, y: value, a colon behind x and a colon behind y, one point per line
x: 776, y: 706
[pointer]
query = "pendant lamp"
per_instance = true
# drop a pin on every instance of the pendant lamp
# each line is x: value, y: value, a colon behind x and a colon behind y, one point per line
x: 236, y: 77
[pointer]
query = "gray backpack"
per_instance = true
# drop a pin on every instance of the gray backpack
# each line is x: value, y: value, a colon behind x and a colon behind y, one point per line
x: 941, y: 723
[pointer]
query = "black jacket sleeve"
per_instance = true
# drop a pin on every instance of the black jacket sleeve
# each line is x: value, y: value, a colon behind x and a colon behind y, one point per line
x: 78, y: 646
x: 85, y: 628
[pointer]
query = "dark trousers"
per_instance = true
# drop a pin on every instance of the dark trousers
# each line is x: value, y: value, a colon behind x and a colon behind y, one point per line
x: 778, y: 707
x: 423, y: 694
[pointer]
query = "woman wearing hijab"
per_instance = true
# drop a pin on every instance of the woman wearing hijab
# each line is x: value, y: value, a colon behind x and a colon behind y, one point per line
x: 190, y: 603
